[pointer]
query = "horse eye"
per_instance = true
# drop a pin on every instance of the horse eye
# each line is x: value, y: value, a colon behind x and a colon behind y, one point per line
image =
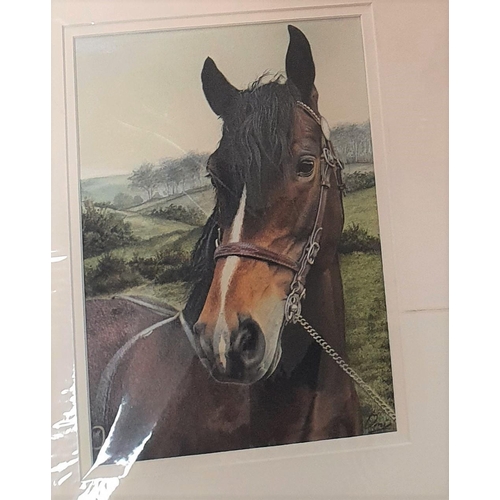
x: 305, y: 167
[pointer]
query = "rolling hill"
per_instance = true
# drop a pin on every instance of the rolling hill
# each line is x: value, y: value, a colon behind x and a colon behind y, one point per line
x: 104, y: 189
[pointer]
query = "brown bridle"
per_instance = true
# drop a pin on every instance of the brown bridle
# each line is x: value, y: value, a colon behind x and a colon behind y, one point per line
x: 328, y: 161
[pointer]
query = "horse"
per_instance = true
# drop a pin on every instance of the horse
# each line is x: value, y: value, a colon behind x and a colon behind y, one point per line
x: 234, y: 369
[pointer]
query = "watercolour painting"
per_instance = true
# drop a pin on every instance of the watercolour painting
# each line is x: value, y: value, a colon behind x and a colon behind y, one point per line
x: 229, y: 219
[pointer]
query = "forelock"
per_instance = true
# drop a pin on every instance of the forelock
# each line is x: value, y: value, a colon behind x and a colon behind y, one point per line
x: 255, y: 145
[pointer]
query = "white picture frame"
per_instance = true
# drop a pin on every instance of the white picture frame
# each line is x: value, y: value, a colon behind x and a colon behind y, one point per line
x: 406, y: 65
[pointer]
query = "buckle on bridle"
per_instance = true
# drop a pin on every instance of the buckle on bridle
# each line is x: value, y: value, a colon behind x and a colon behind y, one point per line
x: 329, y: 158
x: 293, y: 306
x: 312, y: 252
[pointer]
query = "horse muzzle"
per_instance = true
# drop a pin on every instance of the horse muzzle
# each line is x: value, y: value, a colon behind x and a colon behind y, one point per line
x: 235, y: 356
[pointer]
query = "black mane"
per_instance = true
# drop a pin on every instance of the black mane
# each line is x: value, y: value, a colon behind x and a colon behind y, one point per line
x: 256, y: 142
x: 201, y: 271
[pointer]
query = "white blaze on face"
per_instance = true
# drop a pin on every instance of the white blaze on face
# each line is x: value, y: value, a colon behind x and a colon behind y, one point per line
x: 221, y: 333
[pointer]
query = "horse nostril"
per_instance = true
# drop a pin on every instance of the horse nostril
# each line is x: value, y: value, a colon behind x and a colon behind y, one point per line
x: 248, y: 343
x: 248, y: 335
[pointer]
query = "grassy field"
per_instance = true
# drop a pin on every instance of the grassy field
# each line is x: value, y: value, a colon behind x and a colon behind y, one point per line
x: 360, y: 208
x: 147, y: 228
x: 366, y: 318
x: 366, y: 324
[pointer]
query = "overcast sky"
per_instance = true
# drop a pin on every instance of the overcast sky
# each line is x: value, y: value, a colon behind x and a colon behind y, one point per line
x: 140, y: 96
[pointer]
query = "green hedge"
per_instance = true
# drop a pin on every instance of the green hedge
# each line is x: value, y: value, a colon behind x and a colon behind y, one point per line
x: 103, y: 230
x: 356, y: 239
x: 192, y: 216
x: 111, y: 275
x: 356, y: 181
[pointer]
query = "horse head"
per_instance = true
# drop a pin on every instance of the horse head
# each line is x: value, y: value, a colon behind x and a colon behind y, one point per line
x: 268, y: 179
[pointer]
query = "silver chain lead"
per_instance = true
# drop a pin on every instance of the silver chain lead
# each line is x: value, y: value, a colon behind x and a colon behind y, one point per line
x: 347, y: 369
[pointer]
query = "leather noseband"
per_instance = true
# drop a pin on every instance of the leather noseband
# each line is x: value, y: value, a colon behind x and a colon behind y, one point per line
x: 252, y: 251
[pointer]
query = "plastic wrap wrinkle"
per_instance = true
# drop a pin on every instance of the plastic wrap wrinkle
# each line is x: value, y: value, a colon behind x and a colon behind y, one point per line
x: 100, y: 482
x: 103, y: 487
x: 67, y: 425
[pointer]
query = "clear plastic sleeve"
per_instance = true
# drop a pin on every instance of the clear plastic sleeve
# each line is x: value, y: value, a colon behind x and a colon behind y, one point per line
x: 224, y: 274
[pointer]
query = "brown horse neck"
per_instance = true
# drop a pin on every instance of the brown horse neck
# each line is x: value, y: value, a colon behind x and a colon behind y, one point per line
x: 323, y: 306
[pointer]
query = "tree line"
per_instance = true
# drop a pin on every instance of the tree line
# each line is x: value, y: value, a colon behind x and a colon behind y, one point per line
x: 353, y: 142
x: 170, y: 175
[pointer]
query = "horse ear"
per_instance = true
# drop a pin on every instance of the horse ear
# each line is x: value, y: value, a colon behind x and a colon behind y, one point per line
x: 299, y: 63
x: 218, y: 91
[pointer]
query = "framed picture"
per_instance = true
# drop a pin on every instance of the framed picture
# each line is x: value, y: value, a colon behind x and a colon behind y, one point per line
x: 248, y: 291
